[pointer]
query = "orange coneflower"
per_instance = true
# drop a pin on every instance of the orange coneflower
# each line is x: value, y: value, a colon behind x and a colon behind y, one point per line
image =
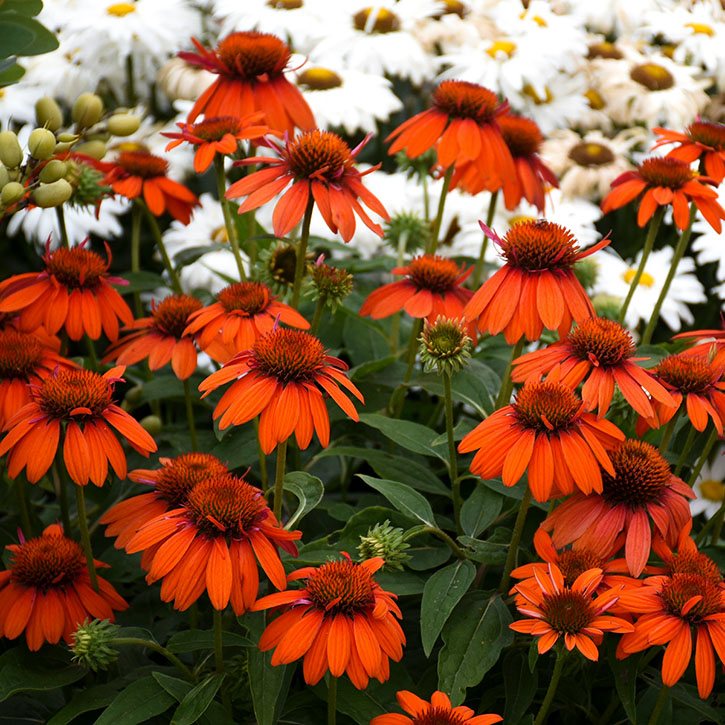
x: 282, y: 379
x: 321, y: 168
x: 536, y: 288
x: 463, y: 126
x: 341, y: 620
x: 79, y: 404
x: 555, y: 610
x: 73, y: 291
x: 251, y: 68
x: 243, y: 311
x: 641, y: 489
x: 687, y: 559
x: 703, y: 140
x: 666, y: 181
x: 210, y: 543
x: 602, y: 350
x: 545, y: 431
x: 694, y: 380
x: 47, y: 591
x: 439, y: 711
x: 137, y: 173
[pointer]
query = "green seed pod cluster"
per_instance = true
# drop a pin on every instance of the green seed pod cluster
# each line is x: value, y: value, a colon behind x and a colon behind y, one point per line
x: 53, y: 194
x: 48, y: 114
x: 87, y: 110
x: 11, y: 155
x: 41, y: 144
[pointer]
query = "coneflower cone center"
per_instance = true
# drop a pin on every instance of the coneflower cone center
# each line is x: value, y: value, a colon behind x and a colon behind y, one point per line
x: 445, y: 338
x: 546, y: 406
x: 47, y: 561
x: 461, y: 99
x: 246, y: 298
x: 341, y: 587
x: 143, y: 164
x: 708, y: 134
x: 181, y: 474
x: 641, y: 475
x: 682, y: 587
x: 688, y: 374
x: 670, y: 173
x: 521, y: 135
x: 76, y: 267
x: 251, y: 54
x: 20, y: 354
x: 567, y: 612
x: 69, y: 390
x: 438, y: 716
x: 434, y: 273
x: 225, y: 505
x: 693, y: 562
x: 172, y: 314
x: 537, y: 245
x: 652, y: 76
x: 288, y: 355
x: 281, y: 265
x: 214, y: 129
x: 573, y: 562
x: 318, y: 154
x: 385, y: 21
x: 591, y: 154
x: 601, y: 341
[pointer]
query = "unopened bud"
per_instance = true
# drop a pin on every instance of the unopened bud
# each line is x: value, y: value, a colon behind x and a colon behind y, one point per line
x: 48, y: 113
x: 445, y: 345
x: 67, y: 137
x: 386, y: 542
x: 87, y: 110
x: 607, y: 306
x: 4, y: 176
x: 55, y: 194
x: 52, y: 171
x: 94, y: 149
x: 151, y: 424
x: 92, y: 644
x: 123, y: 124
x: 10, y: 152
x: 11, y: 192
x: 41, y: 144
x: 134, y: 394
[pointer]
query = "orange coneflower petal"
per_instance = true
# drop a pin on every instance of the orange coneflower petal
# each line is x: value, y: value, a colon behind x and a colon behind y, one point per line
x: 290, y: 208
x: 269, y: 559
x: 219, y: 574
x: 277, y: 628
x: 367, y: 645
x: 298, y: 639
x: 639, y: 540
x: 704, y: 662
x: 315, y: 662
x: 339, y: 644
x: 677, y: 656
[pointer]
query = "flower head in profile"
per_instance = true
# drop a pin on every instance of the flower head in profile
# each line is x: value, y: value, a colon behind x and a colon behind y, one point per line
x: 213, y: 542
x: 444, y: 346
x: 665, y: 181
x: 701, y: 140
x: 321, y: 168
x: 546, y: 432
x: 77, y: 405
x: 282, y: 379
x: 439, y: 711
x: 47, y: 591
x: 536, y: 287
x: 251, y: 67
x: 73, y: 292
x: 341, y: 620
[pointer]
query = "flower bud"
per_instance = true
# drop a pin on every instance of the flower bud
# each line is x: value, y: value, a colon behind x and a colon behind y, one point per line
x: 133, y: 395
x: 41, y: 144
x: 67, y: 137
x: 4, y: 176
x: 94, y: 149
x: 329, y: 284
x: 92, y: 644
x: 48, y: 113
x: 87, y: 110
x: 386, y: 542
x: 445, y: 346
x: 123, y: 124
x: 10, y: 152
x: 151, y: 424
x: 587, y: 272
x: 11, y: 192
x: 607, y: 306
x: 52, y: 171
x: 55, y: 194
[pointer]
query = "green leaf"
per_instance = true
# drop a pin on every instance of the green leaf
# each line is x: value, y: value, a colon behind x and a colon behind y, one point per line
x: 364, y: 340
x: 411, y: 436
x: 238, y: 448
x: 441, y: 594
x: 140, y: 282
x: 480, y: 510
x: 308, y: 490
x: 376, y: 699
x: 625, y: 681
x: 22, y: 671
x: 486, y: 552
x: 192, y: 640
x: 404, y: 498
x: 12, y: 74
x: 88, y: 700
x: 138, y: 703
x: 43, y: 40
x: 687, y: 695
x: 196, y: 702
x: 177, y: 688
x: 29, y: 8
x: 520, y: 686
x: 14, y: 36
x: 162, y: 387
x: 474, y: 636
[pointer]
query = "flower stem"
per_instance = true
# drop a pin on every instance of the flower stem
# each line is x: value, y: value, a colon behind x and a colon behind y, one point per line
x: 551, y: 691
x: 703, y: 457
x: 62, y: 493
x: 85, y: 536
x: 507, y: 385
x: 136, y: 253
x: 685, y: 450
x: 60, y: 216
x: 175, y: 284
x: 659, y: 705
x: 654, y: 226
x: 221, y: 182
x: 262, y: 458
x: 676, y: 257
x: 455, y: 483
x: 332, y: 701
x: 190, y: 416
x: 21, y: 494
x: 396, y: 401
x: 442, y: 535
x: 719, y: 517
x: 478, y: 271
x: 318, y: 314
x: 170, y: 656
x: 669, y: 430
x: 302, y: 252
x: 705, y: 530
x: 514, y: 546
x: 395, y: 324
x: 279, y: 479
x: 92, y: 357
x: 439, y: 216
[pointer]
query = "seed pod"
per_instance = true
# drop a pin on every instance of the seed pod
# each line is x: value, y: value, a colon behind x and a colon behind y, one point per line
x: 66, y: 137
x: 123, y: 124
x: 11, y: 192
x: 48, y: 113
x: 4, y: 176
x: 55, y: 194
x: 41, y: 144
x: 94, y: 149
x: 152, y: 424
x: 10, y: 152
x: 87, y: 110
x: 52, y: 171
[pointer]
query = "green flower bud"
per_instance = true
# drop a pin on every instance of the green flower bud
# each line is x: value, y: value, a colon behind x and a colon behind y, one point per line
x: 445, y: 346
x: 133, y: 394
x: 87, y: 110
x: 4, y: 176
x: 94, y: 149
x: 55, y: 194
x: 48, y: 113
x: 67, y: 137
x: 11, y: 192
x: 587, y: 272
x: 607, y: 306
x: 407, y: 230
x: 152, y: 424
x: 329, y: 284
x: 386, y: 542
x: 89, y: 190
x: 123, y: 124
x: 41, y: 144
x: 52, y: 171
x: 10, y: 152
x: 92, y: 644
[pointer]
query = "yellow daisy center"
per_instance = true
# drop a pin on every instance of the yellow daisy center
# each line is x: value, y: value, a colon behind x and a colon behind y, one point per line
x: 712, y: 490
x: 646, y: 279
x: 120, y: 10
x: 501, y: 46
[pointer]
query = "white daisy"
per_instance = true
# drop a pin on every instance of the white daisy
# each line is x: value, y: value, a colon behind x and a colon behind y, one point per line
x: 710, y: 487
x: 180, y: 80
x: 616, y: 17
x: 708, y: 244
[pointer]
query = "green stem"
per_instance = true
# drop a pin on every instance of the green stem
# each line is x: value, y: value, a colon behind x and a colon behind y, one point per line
x: 332, y: 701
x: 515, y: 539
x: 654, y: 226
x: 85, y: 536
x: 455, y: 483
x: 156, y: 234
x: 439, y: 216
x: 676, y: 257
x: 398, y: 397
x: 703, y: 457
x: 478, y: 271
x: 190, y: 416
x: 262, y: 457
x: 221, y: 181
x: 426, y: 196
x: 507, y: 385
x: 319, y: 306
x: 442, y: 535
x: 395, y: 325
x: 218, y: 648
x: 659, y: 705
x: 279, y: 479
x: 92, y: 357
x: 170, y: 656
x: 302, y: 253
x: 685, y: 450
x: 60, y: 215
x: 551, y: 691
x: 719, y: 517
x: 21, y: 494
x: 669, y: 430
x: 130, y: 90
x: 136, y: 253
x: 61, y: 492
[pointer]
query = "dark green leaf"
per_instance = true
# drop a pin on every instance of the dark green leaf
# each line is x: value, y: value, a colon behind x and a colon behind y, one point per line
x: 138, y: 703
x: 487, y: 552
x: 687, y: 695
x: 307, y: 489
x: 412, y: 436
x: 533, y: 654
x: 625, y: 680
x: 364, y: 340
x: 161, y: 387
x: 196, y: 639
x: 480, y: 510
x: 404, y: 498
x: 520, y: 687
x: 29, y: 8
x: 41, y: 41
x: 196, y: 702
x: 140, y: 282
x: 12, y: 74
x: 177, y: 688
x: 93, y: 698
x: 237, y: 449
x: 14, y: 36
x: 441, y: 594
x: 22, y: 671
x: 191, y: 254
x: 376, y: 699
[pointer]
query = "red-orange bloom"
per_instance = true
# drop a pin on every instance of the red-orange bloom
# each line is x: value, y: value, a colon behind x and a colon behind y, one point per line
x: 210, y: 543
x: 704, y: 140
x: 602, y: 350
x: 664, y: 181
x: 341, y: 620
x: 545, y: 431
x: 463, y: 126
x: 536, y: 288
x: 47, y: 590
x: 251, y: 68
x: 137, y: 173
x: 687, y: 559
x: 282, y: 379
x: 695, y: 380
x: 555, y: 610
x: 243, y: 311
x: 73, y: 291
x: 82, y: 401
x: 322, y: 170
x: 642, y: 488
x: 161, y: 338
x: 438, y: 711
x: 219, y: 135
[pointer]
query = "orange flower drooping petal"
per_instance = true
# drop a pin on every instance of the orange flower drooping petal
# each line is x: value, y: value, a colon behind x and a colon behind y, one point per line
x: 439, y: 711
